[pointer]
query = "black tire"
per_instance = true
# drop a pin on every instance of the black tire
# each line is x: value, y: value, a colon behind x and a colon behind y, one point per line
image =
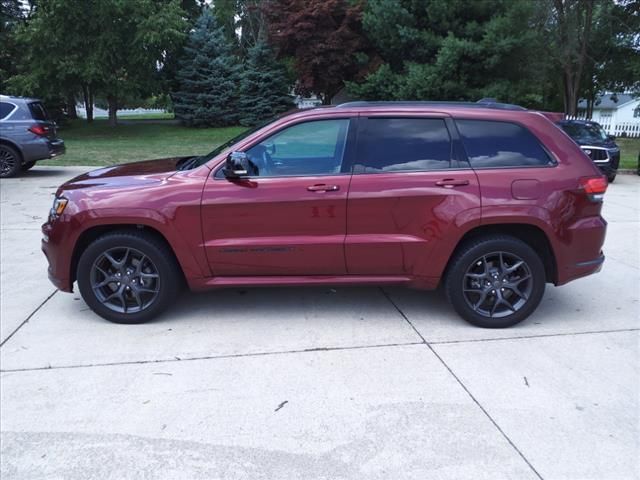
x: 158, y: 261
x: 611, y: 177
x: 476, y: 277
x: 10, y: 161
x: 28, y: 166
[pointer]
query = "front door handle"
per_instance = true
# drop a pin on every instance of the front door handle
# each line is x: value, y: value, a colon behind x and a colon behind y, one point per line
x: 321, y: 187
x: 452, y: 182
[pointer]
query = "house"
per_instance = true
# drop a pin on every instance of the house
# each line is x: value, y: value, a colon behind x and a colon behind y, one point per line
x: 613, y: 108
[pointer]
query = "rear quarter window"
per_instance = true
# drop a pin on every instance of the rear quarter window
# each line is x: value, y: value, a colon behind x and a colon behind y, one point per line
x: 5, y: 109
x: 492, y: 144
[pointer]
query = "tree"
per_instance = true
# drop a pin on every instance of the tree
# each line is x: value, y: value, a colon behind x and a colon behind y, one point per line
x: 264, y: 87
x: 456, y: 50
x: 207, y: 78
x: 114, y: 47
x: 324, y: 38
x: 131, y: 43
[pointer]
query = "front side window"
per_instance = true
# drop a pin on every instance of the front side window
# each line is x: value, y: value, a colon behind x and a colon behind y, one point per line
x: 309, y: 148
x: 491, y: 144
x: 404, y: 144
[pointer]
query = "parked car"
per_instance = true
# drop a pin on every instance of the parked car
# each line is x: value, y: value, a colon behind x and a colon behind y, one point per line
x: 490, y: 200
x: 595, y: 142
x: 27, y: 135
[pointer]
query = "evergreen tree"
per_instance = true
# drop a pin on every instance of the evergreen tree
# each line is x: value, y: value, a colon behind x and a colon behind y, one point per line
x: 208, y: 77
x: 264, y: 88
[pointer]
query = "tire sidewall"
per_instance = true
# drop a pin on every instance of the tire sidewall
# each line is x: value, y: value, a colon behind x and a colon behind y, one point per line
x: 158, y: 255
x: 468, y: 255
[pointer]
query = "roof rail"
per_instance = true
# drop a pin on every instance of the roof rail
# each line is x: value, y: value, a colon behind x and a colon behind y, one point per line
x: 484, y: 103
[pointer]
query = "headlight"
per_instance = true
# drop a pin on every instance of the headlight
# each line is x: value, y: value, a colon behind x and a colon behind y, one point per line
x: 59, y: 204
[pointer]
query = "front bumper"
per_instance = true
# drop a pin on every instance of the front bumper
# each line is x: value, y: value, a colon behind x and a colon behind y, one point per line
x: 56, y: 251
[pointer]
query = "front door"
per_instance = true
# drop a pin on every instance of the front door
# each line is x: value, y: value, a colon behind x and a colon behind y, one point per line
x: 290, y: 217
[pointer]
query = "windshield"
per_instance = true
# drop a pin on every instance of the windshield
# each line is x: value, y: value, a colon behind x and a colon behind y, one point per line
x: 585, y: 133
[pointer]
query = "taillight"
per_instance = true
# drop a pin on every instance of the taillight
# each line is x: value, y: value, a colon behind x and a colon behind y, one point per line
x: 594, y: 187
x: 39, y: 130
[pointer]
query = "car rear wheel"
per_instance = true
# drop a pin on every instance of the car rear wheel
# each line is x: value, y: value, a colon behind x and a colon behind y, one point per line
x: 128, y: 277
x: 495, y: 281
x: 9, y: 161
x: 611, y: 177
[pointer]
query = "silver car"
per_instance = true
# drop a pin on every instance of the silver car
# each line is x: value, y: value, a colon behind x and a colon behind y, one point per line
x: 27, y: 135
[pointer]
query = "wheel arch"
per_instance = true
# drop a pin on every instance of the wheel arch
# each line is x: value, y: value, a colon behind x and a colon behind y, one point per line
x: 532, y: 235
x: 92, y: 233
x: 15, y: 146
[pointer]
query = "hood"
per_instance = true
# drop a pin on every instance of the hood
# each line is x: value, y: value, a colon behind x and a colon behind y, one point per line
x: 137, y: 173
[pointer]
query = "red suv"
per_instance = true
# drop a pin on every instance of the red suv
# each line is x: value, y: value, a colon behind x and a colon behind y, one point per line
x: 491, y: 201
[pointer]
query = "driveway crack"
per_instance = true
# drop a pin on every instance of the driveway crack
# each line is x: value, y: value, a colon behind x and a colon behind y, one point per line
x: 28, y: 318
x: 464, y: 387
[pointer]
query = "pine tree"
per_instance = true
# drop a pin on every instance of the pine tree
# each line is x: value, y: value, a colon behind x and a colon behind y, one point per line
x: 264, y: 88
x: 208, y: 77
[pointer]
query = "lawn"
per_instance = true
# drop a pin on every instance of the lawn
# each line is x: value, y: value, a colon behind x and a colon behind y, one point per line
x: 98, y: 144
x: 629, y: 149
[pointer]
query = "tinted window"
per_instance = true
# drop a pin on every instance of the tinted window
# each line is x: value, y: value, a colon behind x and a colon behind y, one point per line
x: 310, y: 148
x: 404, y: 144
x: 585, y: 133
x: 5, y: 109
x: 38, y: 111
x: 500, y: 144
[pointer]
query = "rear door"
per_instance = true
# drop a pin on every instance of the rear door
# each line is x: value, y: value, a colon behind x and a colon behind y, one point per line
x: 408, y: 190
x: 41, y: 116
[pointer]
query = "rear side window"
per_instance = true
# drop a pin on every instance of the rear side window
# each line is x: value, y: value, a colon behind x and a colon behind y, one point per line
x: 403, y: 144
x: 5, y: 109
x: 501, y: 144
x: 38, y: 111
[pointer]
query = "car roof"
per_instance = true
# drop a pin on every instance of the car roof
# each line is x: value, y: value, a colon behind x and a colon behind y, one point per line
x: 485, y: 103
x: 7, y: 98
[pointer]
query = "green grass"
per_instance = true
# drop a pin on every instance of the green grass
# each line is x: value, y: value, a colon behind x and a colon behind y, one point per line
x: 99, y: 144
x: 629, y: 149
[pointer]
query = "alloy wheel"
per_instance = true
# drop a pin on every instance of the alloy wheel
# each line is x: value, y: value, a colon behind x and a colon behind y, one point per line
x: 125, y: 280
x: 498, y: 284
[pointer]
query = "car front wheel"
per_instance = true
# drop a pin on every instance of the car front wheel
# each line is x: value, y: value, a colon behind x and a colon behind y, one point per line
x: 495, y: 281
x: 128, y: 277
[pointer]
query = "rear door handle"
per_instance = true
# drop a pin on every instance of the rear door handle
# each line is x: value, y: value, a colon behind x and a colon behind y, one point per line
x: 452, y: 182
x: 321, y: 187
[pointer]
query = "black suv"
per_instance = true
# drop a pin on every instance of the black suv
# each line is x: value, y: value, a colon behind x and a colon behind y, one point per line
x: 27, y: 134
x: 596, y: 143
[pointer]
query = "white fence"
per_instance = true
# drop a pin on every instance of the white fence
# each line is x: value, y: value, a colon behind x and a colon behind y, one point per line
x: 619, y: 129
x: 102, y: 113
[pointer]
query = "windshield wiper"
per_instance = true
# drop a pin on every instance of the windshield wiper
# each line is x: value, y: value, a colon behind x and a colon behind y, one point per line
x: 188, y: 163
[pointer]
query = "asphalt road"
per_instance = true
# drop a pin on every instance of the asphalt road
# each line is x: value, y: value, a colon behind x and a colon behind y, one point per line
x: 317, y: 383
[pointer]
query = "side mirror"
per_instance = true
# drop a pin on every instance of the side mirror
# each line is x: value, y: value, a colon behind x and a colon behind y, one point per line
x: 238, y: 165
x: 611, y: 137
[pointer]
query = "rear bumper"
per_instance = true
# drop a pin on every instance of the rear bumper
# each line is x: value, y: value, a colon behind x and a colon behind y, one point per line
x: 42, y: 149
x: 583, y: 255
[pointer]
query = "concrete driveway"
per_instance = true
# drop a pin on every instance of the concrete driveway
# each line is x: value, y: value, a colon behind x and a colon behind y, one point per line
x: 317, y: 383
